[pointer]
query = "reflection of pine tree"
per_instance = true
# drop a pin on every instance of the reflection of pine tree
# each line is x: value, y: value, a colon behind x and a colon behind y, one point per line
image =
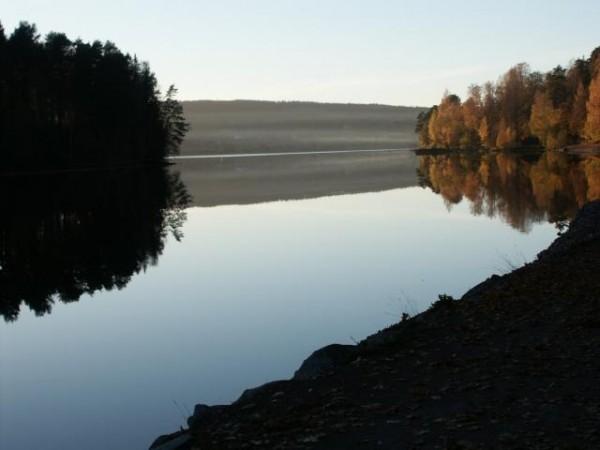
x: 65, y: 236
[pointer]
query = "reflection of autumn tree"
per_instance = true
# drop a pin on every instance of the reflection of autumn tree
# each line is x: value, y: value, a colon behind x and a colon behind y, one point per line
x: 591, y: 168
x: 512, y: 191
x: 521, y: 189
x: 551, y: 185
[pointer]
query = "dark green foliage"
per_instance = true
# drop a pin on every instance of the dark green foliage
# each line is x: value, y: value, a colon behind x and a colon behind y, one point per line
x: 73, y: 104
x: 445, y: 298
x: 443, y: 301
x: 173, y: 121
x: 2, y: 35
x: 422, y: 127
x: 594, y: 62
x: 556, y: 85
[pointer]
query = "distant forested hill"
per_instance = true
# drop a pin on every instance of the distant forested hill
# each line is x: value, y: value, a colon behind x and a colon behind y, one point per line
x: 244, y: 126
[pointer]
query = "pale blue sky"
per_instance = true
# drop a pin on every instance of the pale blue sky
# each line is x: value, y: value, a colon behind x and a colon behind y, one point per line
x: 396, y: 52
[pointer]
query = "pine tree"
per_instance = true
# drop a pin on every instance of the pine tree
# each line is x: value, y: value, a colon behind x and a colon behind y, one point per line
x: 174, y: 121
x: 67, y: 104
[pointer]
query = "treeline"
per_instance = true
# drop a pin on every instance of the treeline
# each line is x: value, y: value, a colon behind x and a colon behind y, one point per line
x: 70, y: 103
x: 554, y: 109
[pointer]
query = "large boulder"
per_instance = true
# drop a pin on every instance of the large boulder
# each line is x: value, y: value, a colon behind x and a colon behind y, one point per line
x: 325, y: 360
x: 585, y: 227
x: 174, y: 441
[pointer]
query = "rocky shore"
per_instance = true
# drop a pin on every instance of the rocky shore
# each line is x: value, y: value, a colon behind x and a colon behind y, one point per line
x: 513, y: 364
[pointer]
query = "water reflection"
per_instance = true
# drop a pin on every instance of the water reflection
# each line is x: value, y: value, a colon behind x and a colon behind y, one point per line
x: 251, y: 291
x: 249, y: 180
x: 62, y: 236
x: 521, y: 189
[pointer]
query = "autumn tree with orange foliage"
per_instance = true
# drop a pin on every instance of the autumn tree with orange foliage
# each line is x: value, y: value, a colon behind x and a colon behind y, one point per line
x: 547, y: 122
x: 488, y: 127
x: 515, y: 97
x: 555, y: 109
x: 592, y: 123
x: 448, y: 126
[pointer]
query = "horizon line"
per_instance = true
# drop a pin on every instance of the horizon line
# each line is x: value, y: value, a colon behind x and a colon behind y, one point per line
x: 300, y: 101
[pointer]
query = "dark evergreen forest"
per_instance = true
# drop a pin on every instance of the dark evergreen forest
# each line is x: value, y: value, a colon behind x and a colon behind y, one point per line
x: 69, y: 104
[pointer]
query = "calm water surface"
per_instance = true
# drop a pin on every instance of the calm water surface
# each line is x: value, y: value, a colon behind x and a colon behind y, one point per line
x: 254, y: 278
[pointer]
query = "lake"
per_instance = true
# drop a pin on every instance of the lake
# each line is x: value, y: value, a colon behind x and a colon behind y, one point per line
x: 128, y: 297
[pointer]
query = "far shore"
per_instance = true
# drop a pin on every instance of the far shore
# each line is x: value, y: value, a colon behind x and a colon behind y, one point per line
x: 84, y: 169
x: 575, y: 149
x: 582, y: 149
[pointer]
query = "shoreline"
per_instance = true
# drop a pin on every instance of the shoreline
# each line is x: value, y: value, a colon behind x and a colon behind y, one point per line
x: 282, y: 153
x: 86, y: 169
x: 581, y: 149
x: 575, y: 150
x: 512, y: 364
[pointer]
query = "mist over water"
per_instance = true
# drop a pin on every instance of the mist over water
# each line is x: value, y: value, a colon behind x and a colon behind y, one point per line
x: 274, y: 127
